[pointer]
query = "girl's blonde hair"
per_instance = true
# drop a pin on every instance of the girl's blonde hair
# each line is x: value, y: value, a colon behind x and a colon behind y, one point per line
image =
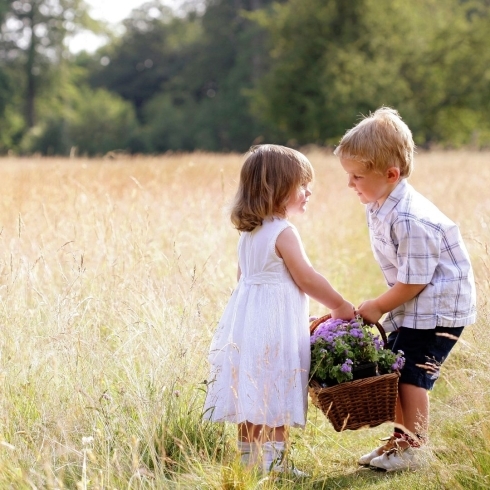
x: 380, y: 141
x: 268, y: 177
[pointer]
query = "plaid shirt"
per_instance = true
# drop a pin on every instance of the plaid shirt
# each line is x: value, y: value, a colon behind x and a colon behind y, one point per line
x: 415, y: 243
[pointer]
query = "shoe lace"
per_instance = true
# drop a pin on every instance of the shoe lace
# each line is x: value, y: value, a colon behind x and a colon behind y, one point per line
x: 390, y: 443
x: 393, y: 447
x: 394, y: 451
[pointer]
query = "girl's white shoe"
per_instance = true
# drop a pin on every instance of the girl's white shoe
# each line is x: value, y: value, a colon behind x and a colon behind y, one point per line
x: 274, y: 461
x: 249, y: 453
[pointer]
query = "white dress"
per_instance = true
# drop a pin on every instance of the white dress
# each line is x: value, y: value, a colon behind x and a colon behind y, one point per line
x: 260, y: 352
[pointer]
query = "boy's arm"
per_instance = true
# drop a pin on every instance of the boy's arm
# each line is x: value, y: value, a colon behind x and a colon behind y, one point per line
x: 372, y: 310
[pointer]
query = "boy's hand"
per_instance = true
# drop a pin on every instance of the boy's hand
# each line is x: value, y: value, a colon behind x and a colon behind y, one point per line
x: 345, y: 311
x: 370, y: 311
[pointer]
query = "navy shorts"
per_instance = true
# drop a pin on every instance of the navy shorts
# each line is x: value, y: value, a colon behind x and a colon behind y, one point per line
x: 424, y: 352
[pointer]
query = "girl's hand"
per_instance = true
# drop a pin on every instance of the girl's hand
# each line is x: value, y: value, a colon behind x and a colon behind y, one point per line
x: 344, y: 311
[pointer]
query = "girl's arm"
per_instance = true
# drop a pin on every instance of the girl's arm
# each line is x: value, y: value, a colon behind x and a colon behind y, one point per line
x: 290, y: 248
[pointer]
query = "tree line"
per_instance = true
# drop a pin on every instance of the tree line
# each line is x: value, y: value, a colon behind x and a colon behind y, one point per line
x: 221, y: 75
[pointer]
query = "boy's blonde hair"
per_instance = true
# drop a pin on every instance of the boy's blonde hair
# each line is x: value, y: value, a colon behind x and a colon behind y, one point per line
x: 269, y: 176
x: 380, y: 141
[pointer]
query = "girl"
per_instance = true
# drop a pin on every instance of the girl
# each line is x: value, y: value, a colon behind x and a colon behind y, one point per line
x: 260, y: 353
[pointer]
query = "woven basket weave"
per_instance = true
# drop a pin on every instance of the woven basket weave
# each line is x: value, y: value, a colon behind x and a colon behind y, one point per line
x: 352, y: 405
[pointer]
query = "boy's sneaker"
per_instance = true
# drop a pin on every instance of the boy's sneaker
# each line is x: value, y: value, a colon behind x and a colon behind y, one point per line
x: 398, y: 459
x: 390, y: 443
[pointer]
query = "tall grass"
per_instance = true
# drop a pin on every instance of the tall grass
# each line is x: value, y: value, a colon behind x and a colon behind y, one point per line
x: 113, y: 275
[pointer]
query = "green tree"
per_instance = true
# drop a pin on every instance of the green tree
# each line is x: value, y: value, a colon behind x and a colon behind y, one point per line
x: 33, y: 36
x: 11, y: 122
x: 76, y: 117
x: 153, y: 50
x: 424, y: 57
x: 101, y: 122
x: 189, y: 77
x: 455, y: 78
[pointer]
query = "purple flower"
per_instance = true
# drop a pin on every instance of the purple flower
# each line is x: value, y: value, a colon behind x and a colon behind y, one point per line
x: 400, y: 361
x: 347, y: 366
x: 378, y: 343
x: 337, y: 345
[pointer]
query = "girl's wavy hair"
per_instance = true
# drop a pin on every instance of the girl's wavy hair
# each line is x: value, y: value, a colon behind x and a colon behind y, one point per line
x: 380, y: 141
x: 269, y: 175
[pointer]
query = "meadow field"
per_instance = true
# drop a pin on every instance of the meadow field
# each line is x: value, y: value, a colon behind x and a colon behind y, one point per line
x: 113, y: 275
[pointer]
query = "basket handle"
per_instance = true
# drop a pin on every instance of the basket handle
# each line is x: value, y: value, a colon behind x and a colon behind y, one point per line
x: 314, y: 324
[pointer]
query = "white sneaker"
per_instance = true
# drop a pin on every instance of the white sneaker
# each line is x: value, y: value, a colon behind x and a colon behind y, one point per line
x: 366, y: 459
x: 294, y: 472
x: 398, y: 459
x: 276, y: 462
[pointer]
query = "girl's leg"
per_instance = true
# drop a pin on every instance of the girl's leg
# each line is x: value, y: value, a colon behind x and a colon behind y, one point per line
x: 275, y: 434
x: 274, y: 452
x: 274, y: 449
x: 248, y: 432
x: 249, y: 442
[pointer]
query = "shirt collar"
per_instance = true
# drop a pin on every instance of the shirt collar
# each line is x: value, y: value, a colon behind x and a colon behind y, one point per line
x: 392, y: 200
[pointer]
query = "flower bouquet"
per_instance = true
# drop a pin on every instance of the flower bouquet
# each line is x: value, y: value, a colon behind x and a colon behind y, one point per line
x: 353, y: 378
x: 347, y: 350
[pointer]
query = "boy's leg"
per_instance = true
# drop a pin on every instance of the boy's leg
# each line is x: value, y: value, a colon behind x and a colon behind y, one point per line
x: 414, y: 403
x: 399, y: 422
x: 390, y: 441
x: 425, y: 351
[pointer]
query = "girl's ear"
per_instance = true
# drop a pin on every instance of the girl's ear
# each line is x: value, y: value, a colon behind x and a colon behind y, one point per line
x: 393, y: 174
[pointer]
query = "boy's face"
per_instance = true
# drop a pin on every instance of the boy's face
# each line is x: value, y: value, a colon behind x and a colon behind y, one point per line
x: 370, y: 186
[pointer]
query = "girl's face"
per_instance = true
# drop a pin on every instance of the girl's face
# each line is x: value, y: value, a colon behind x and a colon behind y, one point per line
x: 298, y: 200
x: 370, y: 186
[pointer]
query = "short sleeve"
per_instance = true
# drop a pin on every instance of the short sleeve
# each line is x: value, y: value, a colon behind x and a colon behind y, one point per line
x: 419, y: 250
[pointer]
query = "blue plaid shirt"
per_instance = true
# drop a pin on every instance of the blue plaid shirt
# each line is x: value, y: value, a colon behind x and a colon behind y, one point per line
x: 415, y: 243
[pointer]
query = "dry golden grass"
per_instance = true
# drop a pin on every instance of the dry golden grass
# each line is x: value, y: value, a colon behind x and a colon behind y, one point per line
x: 113, y: 275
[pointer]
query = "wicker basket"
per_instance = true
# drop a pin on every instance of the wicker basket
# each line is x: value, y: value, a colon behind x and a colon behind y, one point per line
x: 352, y: 405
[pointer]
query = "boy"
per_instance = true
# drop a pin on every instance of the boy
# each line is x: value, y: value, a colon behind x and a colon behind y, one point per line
x: 431, y: 294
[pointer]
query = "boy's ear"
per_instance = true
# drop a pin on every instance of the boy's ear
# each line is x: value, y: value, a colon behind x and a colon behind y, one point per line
x: 393, y: 174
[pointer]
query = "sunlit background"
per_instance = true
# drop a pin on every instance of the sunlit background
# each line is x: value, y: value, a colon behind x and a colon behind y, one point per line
x: 122, y: 128
x: 81, y: 77
x: 113, y: 12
